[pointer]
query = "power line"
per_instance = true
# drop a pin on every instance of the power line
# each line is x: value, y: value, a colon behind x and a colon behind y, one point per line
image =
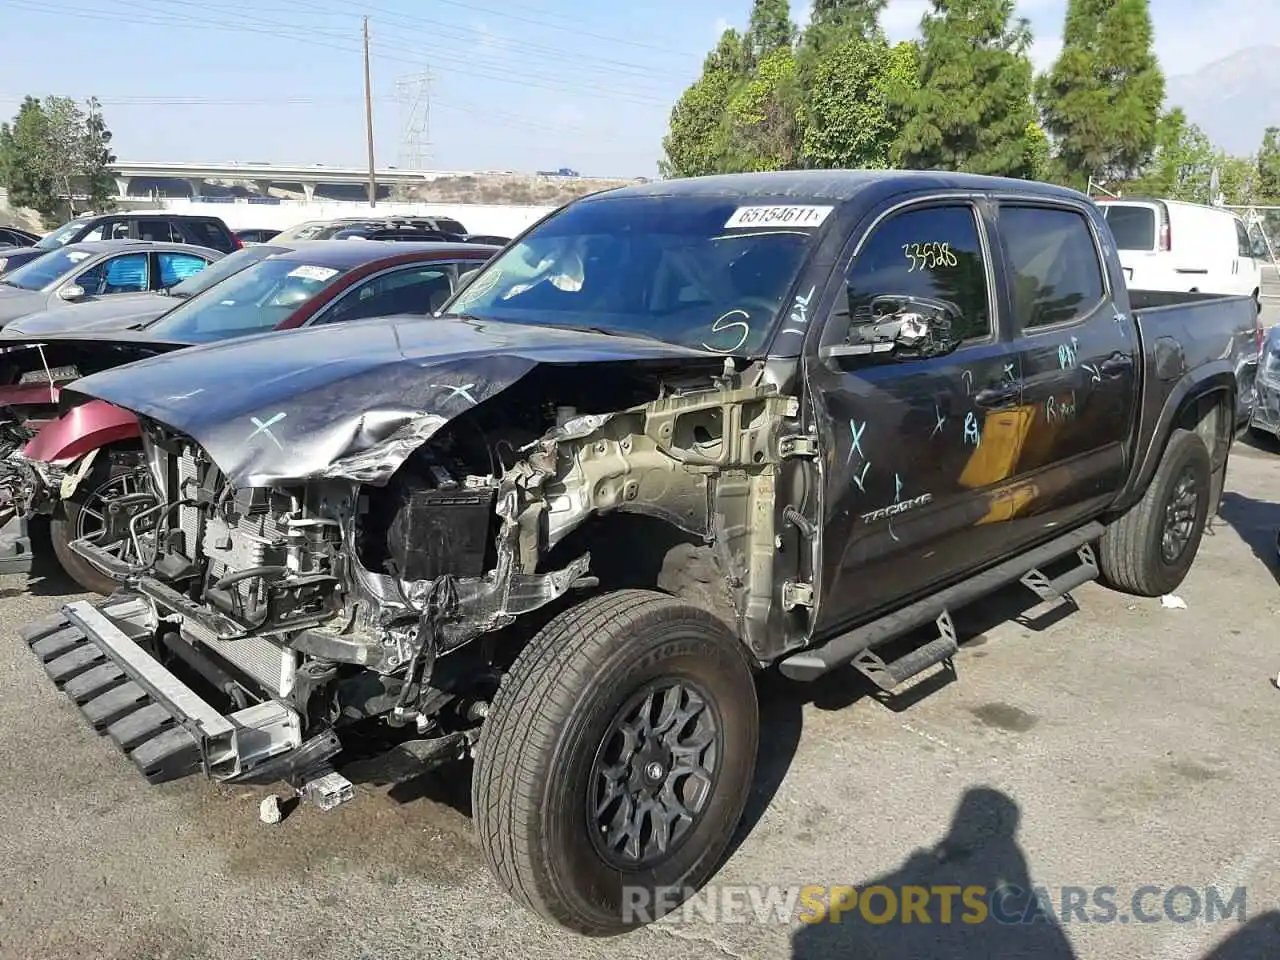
x: 248, y: 23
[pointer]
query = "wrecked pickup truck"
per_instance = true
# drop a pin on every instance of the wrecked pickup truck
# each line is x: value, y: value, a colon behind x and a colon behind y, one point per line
x: 676, y: 434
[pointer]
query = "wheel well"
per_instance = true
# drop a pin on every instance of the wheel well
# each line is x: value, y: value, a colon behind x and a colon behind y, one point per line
x: 638, y: 551
x: 1211, y: 416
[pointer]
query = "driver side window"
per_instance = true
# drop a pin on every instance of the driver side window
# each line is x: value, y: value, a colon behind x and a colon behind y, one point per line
x: 932, y: 254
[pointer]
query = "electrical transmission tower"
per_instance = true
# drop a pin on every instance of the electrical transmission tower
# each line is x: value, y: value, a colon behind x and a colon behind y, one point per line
x: 413, y: 92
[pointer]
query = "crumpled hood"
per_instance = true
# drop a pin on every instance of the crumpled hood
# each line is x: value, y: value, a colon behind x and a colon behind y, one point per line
x: 110, y: 313
x: 350, y: 400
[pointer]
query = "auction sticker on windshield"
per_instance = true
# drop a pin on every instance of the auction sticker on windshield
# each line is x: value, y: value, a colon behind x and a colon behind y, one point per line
x: 308, y: 272
x: 788, y: 216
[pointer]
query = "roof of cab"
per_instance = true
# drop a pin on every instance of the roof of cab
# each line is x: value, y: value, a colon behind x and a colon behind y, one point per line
x: 831, y: 185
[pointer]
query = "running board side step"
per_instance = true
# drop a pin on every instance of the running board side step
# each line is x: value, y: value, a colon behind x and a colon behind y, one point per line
x: 92, y: 655
x: 855, y: 646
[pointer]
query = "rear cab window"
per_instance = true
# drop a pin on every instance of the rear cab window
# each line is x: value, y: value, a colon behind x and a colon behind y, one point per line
x: 1132, y: 225
x: 1055, y: 273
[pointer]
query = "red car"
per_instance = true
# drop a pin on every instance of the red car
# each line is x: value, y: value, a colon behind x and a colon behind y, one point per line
x: 73, y: 462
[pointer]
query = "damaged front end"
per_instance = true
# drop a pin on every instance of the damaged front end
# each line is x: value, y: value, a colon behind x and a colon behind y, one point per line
x: 365, y: 590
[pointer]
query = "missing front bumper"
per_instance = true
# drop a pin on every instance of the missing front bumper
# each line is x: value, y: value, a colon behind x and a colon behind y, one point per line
x: 93, y: 654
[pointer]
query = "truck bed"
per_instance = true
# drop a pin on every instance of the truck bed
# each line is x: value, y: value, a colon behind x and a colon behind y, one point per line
x: 1185, y: 338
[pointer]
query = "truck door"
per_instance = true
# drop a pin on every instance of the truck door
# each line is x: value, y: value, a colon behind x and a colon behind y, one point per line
x: 1077, y: 352
x: 915, y: 445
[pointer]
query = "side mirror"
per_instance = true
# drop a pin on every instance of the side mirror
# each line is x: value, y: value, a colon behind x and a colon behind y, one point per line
x: 899, y: 328
x: 72, y: 292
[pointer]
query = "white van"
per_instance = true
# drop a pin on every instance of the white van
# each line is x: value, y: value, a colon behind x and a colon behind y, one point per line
x: 1174, y: 246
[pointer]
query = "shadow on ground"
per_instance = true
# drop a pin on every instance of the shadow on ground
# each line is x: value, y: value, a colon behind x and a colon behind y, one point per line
x: 979, y: 868
x: 993, y: 911
x: 1256, y: 522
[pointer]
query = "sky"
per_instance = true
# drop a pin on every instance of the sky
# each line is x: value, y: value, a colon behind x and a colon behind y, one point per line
x: 518, y: 85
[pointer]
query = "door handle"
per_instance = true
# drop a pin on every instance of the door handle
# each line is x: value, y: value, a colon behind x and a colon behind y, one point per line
x: 1116, y: 363
x: 1005, y: 395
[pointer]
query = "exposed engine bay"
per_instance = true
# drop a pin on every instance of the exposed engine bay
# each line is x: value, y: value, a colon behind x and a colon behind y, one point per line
x: 350, y: 600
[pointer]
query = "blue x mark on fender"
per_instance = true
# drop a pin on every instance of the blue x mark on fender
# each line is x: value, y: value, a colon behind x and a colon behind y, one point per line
x: 265, y: 428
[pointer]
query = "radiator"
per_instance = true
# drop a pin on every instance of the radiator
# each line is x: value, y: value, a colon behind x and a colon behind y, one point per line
x: 188, y: 516
x: 267, y: 662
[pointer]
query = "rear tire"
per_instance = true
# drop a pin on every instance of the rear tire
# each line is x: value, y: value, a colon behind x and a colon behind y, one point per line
x: 74, y: 516
x: 629, y: 701
x: 1149, y: 550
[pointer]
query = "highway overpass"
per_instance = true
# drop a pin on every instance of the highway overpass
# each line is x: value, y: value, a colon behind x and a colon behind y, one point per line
x: 139, y: 177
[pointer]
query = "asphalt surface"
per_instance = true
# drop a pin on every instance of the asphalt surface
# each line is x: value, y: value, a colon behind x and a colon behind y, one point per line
x: 1110, y: 743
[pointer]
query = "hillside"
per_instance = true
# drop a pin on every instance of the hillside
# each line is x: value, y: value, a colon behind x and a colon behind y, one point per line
x: 1233, y: 100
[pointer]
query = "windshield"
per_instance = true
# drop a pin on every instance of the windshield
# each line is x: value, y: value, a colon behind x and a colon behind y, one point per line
x: 46, y: 269
x: 703, y: 272
x: 60, y: 237
x: 221, y: 269
x: 254, y: 300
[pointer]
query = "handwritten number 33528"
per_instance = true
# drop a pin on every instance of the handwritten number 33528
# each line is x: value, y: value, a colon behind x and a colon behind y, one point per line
x: 928, y: 256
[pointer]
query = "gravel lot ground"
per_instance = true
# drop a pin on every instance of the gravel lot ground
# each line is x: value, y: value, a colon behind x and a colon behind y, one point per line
x: 1119, y: 745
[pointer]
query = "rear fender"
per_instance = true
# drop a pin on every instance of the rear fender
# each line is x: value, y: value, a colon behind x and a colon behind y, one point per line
x: 87, y: 427
x: 1216, y: 380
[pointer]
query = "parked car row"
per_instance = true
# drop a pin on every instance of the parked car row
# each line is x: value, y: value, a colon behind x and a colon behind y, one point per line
x: 554, y: 507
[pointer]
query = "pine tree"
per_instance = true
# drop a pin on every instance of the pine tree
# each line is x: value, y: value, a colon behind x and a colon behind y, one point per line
x: 972, y: 109
x: 1101, y: 100
x: 770, y: 28
x: 97, y: 159
x: 833, y: 23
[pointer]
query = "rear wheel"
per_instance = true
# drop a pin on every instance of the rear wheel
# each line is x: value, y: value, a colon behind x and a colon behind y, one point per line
x: 83, y: 515
x: 616, y: 761
x: 1149, y: 550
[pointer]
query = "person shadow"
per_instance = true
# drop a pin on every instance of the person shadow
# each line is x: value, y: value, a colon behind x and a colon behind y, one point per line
x: 1258, y: 939
x: 1001, y: 919
x: 1257, y: 523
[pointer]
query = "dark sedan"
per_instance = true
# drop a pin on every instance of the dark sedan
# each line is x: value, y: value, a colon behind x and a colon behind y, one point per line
x: 17, y: 237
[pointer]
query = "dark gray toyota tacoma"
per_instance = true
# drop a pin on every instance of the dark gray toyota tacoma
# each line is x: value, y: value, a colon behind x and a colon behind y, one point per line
x: 676, y: 434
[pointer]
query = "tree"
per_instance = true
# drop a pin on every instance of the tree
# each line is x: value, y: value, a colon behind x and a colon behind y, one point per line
x: 1101, y: 100
x: 23, y: 145
x: 770, y: 28
x: 54, y: 150
x: 98, y: 159
x: 972, y: 108
x: 1268, y: 184
x: 834, y: 22
x: 1182, y: 161
x: 846, y: 118
x: 763, y: 116
x: 1239, y: 179
x: 1037, y: 151
x: 697, y: 142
